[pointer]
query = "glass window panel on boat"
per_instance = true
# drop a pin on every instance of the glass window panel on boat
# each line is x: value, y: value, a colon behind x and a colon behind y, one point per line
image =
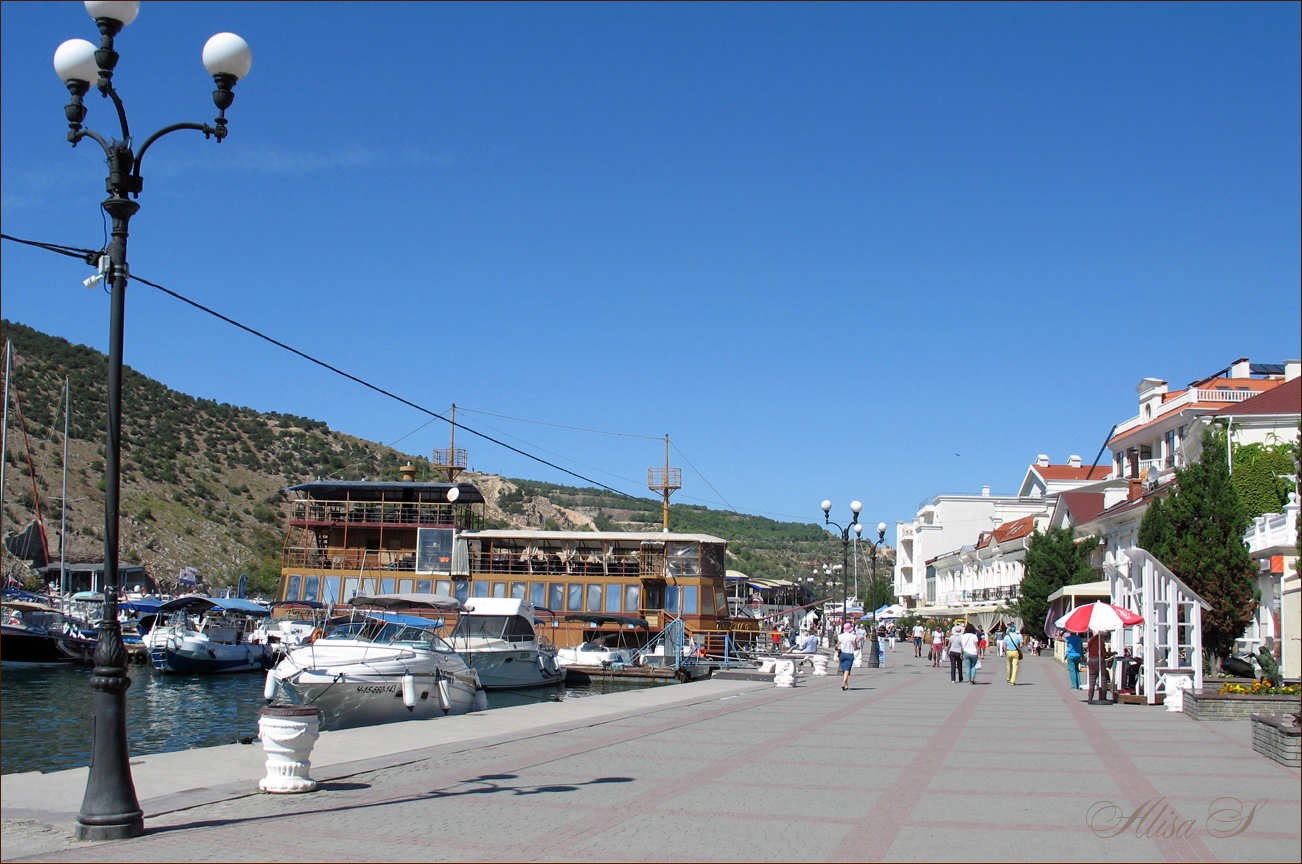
x: 388, y: 585
x: 574, y: 598
x: 479, y: 589
x: 350, y: 588
x: 424, y: 586
x: 499, y: 589
x: 632, y: 597
x: 405, y: 586
x: 555, y: 596
x: 689, y: 600
x: 293, y: 587
x: 594, y: 598
x: 311, y: 587
x: 434, y: 550
x: 518, y: 590
x: 331, y: 590
x: 614, y: 596
x: 538, y: 594
x: 461, y: 590
x: 368, y: 587
x: 671, y: 599
x: 683, y: 559
x: 444, y: 587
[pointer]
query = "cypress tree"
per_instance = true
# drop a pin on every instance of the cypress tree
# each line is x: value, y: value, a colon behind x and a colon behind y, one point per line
x: 1198, y: 535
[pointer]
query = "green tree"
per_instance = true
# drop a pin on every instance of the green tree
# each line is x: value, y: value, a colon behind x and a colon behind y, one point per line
x: 1263, y: 476
x: 1053, y: 559
x: 1198, y: 534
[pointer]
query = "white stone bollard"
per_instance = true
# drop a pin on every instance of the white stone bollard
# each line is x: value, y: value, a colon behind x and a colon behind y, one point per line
x: 1176, y: 684
x: 766, y: 666
x: 820, y: 663
x: 288, y: 734
x: 784, y: 673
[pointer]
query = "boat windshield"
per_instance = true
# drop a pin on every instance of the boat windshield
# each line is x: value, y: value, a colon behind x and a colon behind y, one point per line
x: 512, y: 628
x: 388, y: 633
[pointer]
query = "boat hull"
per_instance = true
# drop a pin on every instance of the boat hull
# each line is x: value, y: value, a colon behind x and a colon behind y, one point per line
x: 349, y: 701
x: 199, y: 657
x: 22, y: 647
x: 510, y: 670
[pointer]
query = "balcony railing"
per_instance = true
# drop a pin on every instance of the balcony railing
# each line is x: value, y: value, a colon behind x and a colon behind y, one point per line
x: 1188, y: 397
x: 383, y: 513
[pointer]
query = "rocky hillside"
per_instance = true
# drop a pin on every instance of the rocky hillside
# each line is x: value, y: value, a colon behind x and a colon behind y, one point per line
x: 202, y: 479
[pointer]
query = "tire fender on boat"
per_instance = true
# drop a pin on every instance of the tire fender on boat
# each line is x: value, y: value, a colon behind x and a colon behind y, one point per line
x: 445, y: 695
x: 269, y: 686
x: 409, y: 690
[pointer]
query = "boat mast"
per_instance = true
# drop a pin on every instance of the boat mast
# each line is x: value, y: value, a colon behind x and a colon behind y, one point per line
x: 451, y: 461
x: 4, y: 437
x: 666, y: 481
x: 63, y: 502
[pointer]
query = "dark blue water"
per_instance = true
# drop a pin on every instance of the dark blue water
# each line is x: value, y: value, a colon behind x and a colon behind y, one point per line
x: 45, y: 713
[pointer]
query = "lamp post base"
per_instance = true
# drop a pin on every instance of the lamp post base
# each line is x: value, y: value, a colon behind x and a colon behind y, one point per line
x: 133, y: 826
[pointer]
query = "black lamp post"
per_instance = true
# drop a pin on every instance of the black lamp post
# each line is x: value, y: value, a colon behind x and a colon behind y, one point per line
x: 874, y: 655
x: 110, y: 809
x: 855, y: 507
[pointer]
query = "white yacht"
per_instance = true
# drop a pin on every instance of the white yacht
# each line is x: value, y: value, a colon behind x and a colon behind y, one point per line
x: 496, y: 638
x: 198, y: 634
x: 377, y: 666
x: 603, y: 648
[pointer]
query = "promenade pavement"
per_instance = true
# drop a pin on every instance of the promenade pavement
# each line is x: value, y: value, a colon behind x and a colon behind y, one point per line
x: 904, y: 766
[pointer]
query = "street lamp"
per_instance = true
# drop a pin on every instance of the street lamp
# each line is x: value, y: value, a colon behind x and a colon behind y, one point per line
x: 874, y: 655
x: 855, y: 507
x: 110, y: 809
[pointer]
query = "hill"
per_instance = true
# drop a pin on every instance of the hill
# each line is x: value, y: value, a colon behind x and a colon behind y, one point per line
x: 202, y: 480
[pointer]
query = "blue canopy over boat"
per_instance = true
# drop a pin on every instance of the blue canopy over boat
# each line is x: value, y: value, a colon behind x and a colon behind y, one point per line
x: 406, y: 620
x: 203, y: 604
x: 146, y: 606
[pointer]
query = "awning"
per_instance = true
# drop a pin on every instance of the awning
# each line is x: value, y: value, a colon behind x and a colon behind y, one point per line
x: 226, y: 604
x: 440, y: 602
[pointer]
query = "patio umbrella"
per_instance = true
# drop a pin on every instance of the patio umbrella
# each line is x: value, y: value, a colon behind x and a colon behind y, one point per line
x: 1097, y: 616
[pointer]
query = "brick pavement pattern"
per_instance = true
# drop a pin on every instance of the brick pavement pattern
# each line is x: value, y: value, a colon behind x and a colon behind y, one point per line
x: 902, y: 767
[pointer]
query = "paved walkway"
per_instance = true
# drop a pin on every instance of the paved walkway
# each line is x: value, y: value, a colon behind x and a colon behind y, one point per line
x: 904, y: 766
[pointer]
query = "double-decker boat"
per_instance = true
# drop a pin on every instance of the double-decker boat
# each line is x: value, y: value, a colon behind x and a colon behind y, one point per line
x: 351, y: 538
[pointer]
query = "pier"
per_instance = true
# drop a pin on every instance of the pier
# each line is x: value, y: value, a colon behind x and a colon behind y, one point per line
x: 904, y: 766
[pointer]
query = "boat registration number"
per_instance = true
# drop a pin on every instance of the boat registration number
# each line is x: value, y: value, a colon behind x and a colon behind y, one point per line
x: 377, y: 688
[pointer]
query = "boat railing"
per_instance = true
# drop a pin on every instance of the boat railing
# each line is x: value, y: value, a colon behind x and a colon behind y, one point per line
x: 383, y: 513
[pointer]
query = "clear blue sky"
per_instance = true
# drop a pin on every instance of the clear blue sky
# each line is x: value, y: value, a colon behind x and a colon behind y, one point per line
x: 834, y: 251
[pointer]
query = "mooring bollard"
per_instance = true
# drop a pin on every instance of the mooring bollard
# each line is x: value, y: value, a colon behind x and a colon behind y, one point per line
x: 288, y: 734
x: 1176, y: 684
x: 784, y: 673
x: 820, y: 663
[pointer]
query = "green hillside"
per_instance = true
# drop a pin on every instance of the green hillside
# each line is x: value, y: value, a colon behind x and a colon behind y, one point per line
x: 202, y: 479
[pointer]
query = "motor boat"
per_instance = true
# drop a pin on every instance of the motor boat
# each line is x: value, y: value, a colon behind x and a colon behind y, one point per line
x: 290, y: 624
x: 198, y: 634
x: 378, y: 666
x: 602, y: 649
x: 496, y: 638
x: 30, y: 634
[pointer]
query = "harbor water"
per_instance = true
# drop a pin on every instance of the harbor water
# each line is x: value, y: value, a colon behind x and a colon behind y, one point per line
x: 45, y: 712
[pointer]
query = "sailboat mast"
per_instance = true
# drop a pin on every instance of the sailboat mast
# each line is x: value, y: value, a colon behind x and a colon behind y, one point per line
x: 4, y: 437
x: 63, y: 502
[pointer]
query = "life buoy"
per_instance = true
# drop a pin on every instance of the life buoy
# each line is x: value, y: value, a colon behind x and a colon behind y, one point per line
x: 316, y: 634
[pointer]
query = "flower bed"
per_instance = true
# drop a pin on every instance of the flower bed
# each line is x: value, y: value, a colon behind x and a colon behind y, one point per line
x: 1212, y: 705
x: 1276, y: 736
x: 1260, y: 688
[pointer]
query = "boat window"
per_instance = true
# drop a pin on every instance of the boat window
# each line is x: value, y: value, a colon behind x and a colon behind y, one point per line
x: 689, y: 599
x: 433, y: 550
x: 404, y: 586
x: 683, y: 559
x: 461, y: 590
x: 614, y: 598
x: 713, y: 560
x: 444, y: 587
x: 499, y: 589
x: 555, y: 596
x: 632, y: 597
x: 424, y: 586
x: 707, y: 600
x: 720, y: 603
x: 292, y: 587
x: 518, y: 629
x: 386, y: 586
x: 368, y: 587
x: 479, y: 589
x: 517, y: 590
x: 350, y: 588
x: 594, y: 598
x: 331, y: 594
x: 538, y: 594
x: 311, y: 585
x: 350, y: 630
x: 486, y: 626
x: 671, y: 598
x: 655, y: 596
x: 574, y: 598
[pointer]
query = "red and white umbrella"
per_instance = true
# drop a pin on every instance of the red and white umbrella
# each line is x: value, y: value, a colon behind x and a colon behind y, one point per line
x: 1098, y: 616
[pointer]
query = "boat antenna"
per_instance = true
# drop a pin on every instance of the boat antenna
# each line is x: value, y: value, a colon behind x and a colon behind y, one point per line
x: 451, y: 461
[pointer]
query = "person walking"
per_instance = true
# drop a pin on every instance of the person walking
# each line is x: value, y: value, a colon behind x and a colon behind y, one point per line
x: 1074, y: 649
x: 918, y: 632
x: 1012, y: 643
x: 971, y: 644
x: 846, y: 644
x: 937, y: 646
x: 955, y: 646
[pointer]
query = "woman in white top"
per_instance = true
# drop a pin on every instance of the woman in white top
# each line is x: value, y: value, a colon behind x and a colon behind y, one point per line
x: 971, y: 652
x: 937, y: 647
x: 846, y: 644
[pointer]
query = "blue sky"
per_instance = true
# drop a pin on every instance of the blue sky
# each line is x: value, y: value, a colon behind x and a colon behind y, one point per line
x: 834, y: 251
